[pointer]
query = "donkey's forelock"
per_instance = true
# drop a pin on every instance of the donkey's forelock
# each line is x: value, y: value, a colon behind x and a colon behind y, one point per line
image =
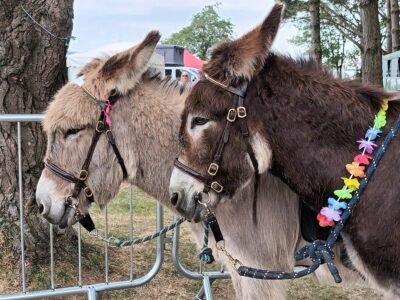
x: 71, y: 108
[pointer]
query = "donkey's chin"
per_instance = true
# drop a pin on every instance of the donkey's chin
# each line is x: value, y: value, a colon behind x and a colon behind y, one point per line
x: 198, y: 214
x: 67, y: 219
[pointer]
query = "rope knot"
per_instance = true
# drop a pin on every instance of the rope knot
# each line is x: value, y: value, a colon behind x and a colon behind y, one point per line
x: 319, y: 252
x: 206, y: 255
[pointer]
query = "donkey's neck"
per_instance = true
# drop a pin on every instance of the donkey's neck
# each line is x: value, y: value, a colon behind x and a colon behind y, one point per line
x: 153, y: 141
x: 312, y: 122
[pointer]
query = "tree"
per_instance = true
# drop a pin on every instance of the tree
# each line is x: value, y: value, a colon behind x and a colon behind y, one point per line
x: 388, y: 20
x: 395, y: 30
x: 32, y: 69
x: 206, y: 29
x: 333, y: 50
x: 315, y: 26
x: 346, y: 18
x: 371, y: 62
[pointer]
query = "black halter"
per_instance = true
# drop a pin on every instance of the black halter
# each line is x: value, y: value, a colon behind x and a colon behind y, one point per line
x: 80, y: 185
x: 236, y: 113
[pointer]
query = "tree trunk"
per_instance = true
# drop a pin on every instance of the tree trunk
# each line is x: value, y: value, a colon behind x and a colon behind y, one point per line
x: 315, y: 28
x: 395, y: 24
x: 32, y: 69
x: 389, y: 44
x: 372, y: 54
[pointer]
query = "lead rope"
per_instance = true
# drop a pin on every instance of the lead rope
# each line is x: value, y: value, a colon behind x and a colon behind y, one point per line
x: 205, y: 254
x: 320, y: 251
x: 119, y: 242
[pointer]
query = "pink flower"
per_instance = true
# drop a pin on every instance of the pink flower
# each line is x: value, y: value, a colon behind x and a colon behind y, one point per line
x: 363, y: 159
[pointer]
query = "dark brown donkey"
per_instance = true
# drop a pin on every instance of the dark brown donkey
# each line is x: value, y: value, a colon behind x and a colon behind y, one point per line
x: 303, y: 126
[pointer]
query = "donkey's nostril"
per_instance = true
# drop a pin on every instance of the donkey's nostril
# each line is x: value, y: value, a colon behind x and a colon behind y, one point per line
x: 41, y: 208
x: 174, y: 198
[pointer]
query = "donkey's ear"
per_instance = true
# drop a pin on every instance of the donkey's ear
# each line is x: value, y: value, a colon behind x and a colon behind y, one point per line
x: 125, y: 69
x: 243, y: 58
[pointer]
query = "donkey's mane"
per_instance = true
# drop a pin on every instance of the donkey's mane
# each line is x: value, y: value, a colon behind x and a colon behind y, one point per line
x: 308, y: 72
x: 169, y: 86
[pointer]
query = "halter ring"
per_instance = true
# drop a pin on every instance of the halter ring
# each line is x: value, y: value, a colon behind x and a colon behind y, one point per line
x: 231, y: 117
x: 217, y: 187
x: 213, y: 169
x: 88, y: 192
x: 241, y: 112
x: 100, y: 126
x: 83, y: 175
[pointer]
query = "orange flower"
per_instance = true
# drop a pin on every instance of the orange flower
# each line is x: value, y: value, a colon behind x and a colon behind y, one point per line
x: 355, y: 169
x: 323, y: 222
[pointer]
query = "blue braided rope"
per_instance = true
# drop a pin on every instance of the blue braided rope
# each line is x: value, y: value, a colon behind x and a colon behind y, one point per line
x: 206, y: 252
x: 119, y: 243
x: 321, y: 251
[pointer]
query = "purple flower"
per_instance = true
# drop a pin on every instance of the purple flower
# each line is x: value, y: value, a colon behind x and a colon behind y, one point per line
x: 367, y: 145
x: 330, y: 213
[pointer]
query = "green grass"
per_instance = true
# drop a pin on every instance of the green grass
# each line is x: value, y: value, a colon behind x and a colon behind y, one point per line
x: 168, y: 284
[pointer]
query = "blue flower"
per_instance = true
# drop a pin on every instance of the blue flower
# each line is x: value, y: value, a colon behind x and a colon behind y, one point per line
x: 372, y: 133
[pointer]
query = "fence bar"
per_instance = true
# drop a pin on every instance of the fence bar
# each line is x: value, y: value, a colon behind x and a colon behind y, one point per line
x: 21, y: 206
x: 131, y: 230
x: 21, y: 117
x: 52, y: 257
x: 79, y: 256
x: 92, y: 295
x: 106, y: 244
x: 91, y: 291
x: 185, y: 272
x: 207, y: 287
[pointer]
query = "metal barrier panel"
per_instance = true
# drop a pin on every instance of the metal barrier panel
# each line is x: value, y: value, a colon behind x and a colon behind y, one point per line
x: 92, y: 289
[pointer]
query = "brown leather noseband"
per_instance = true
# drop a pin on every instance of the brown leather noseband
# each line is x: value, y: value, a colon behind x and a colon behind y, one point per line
x: 236, y: 113
x: 79, y: 182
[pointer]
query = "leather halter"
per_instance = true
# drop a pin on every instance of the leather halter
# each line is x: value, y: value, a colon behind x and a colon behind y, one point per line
x: 80, y: 182
x: 236, y: 113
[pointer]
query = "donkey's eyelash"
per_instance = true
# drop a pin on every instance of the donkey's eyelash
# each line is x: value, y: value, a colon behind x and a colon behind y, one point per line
x: 198, y: 121
x: 72, y: 131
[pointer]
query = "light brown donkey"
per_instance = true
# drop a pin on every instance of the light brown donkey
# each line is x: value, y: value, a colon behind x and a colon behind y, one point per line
x: 145, y: 124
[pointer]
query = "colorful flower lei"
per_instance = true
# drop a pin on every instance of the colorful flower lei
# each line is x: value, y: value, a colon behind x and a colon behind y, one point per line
x: 332, y: 213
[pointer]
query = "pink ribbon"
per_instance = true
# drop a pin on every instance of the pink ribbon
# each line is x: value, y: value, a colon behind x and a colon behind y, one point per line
x: 107, y: 109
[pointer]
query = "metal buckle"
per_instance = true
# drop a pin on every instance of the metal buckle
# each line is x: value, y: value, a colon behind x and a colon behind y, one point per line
x: 100, y: 126
x: 83, y: 175
x: 213, y: 169
x: 241, y: 112
x: 69, y: 201
x: 218, y: 188
x: 88, y: 192
x: 231, y: 117
x: 110, y: 136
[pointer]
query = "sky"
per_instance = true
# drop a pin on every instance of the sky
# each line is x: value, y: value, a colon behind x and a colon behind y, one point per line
x: 100, y: 22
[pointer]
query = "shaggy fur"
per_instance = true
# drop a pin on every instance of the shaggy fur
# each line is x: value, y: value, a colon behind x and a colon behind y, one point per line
x: 145, y: 123
x: 311, y: 122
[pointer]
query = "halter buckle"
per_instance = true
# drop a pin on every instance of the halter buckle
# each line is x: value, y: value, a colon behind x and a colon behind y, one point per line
x: 213, y: 169
x: 88, y: 192
x: 100, y: 126
x: 218, y: 188
x: 83, y: 175
x: 231, y: 117
x: 241, y: 112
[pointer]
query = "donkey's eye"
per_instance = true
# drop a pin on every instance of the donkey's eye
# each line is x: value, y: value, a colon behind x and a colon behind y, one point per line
x: 198, y: 121
x: 72, y: 131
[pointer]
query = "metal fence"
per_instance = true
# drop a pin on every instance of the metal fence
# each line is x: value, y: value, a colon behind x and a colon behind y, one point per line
x: 92, y: 290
